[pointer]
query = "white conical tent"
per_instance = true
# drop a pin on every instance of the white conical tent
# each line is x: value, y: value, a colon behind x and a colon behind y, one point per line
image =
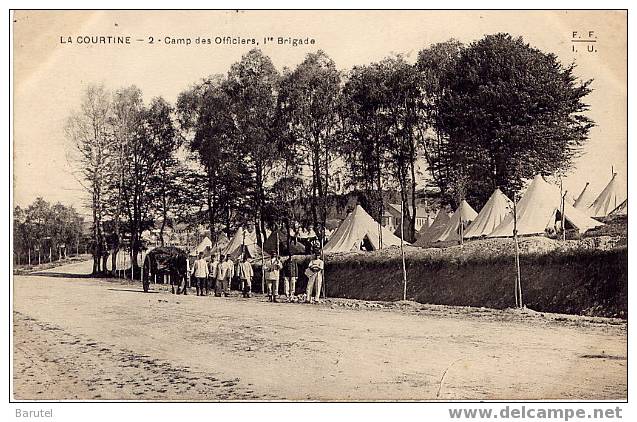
x: 243, y: 239
x: 464, y: 215
x: 221, y: 244
x: 622, y: 209
x: 537, y: 211
x: 357, y: 227
x: 202, y: 246
x: 610, y: 198
x: 490, y: 216
x: 433, y: 232
x: 585, y: 198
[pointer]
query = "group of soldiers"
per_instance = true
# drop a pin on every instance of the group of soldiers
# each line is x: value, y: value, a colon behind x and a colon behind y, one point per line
x: 221, y: 272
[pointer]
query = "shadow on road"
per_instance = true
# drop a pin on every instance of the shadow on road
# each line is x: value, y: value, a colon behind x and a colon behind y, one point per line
x: 60, y: 275
x: 131, y: 290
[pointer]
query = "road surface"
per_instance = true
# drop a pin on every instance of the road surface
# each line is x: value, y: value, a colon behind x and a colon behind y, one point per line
x: 82, y: 338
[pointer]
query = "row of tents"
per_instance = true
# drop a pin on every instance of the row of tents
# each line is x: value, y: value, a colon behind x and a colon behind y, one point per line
x: 245, y: 242
x: 538, y: 210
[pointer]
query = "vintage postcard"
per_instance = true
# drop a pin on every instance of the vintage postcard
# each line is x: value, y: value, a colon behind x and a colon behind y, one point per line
x: 280, y: 205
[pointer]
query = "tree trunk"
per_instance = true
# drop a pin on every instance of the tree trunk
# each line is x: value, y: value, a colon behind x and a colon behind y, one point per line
x: 325, y: 195
x: 260, y: 228
x: 164, y: 204
x: 414, y: 208
x: 96, y: 263
x: 316, y: 176
x: 211, y: 210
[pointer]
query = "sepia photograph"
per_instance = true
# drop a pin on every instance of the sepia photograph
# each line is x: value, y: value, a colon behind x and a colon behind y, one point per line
x: 319, y: 206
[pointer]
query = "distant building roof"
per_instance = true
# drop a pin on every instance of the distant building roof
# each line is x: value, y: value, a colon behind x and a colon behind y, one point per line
x: 397, y: 208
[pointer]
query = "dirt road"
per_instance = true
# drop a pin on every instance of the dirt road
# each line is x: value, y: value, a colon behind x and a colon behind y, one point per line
x: 80, y: 338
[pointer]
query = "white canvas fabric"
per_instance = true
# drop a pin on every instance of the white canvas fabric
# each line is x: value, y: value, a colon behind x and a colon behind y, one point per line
x: 433, y: 232
x: 585, y: 198
x: 245, y: 237
x: 490, y: 216
x: 221, y: 244
x: 357, y: 226
x: 610, y: 198
x: 537, y: 210
x: 201, y: 247
x: 463, y: 215
x: 123, y: 260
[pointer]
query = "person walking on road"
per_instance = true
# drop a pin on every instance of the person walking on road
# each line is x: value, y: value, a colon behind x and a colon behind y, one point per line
x: 290, y: 275
x: 272, y: 269
x: 314, y: 273
x: 200, y: 271
x: 245, y: 275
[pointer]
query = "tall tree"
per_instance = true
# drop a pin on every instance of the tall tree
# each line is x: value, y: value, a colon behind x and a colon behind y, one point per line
x: 125, y: 122
x: 366, y: 134
x: 252, y: 88
x: 206, y: 122
x: 434, y: 66
x: 511, y: 111
x: 309, y: 101
x: 89, y: 132
x: 164, y: 182
x: 401, y: 105
x: 141, y: 164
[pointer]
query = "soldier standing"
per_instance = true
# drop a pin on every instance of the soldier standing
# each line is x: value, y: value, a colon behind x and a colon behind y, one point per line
x: 200, y: 271
x: 245, y: 275
x: 314, y: 274
x: 290, y: 275
x: 272, y: 277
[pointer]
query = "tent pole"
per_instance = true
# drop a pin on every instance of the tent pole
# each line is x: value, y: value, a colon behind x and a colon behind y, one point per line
x: 563, y: 218
x: 262, y: 264
x: 402, y: 250
x: 324, y: 280
x: 562, y: 196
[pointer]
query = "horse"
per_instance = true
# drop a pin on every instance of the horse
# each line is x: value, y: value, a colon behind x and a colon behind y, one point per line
x: 166, y: 260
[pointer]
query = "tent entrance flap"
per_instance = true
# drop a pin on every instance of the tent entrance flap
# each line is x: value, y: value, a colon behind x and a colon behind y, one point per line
x: 366, y: 244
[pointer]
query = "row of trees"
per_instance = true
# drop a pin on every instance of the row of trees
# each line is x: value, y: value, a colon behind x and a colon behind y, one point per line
x: 45, y: 230
x: 126, y: 156
x: 262, y: 146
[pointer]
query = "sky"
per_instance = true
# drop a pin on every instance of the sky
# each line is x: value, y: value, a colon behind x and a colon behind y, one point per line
x: 50, y: 76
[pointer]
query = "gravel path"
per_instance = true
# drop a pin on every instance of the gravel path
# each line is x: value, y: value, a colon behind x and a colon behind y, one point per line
x: 82, y: 338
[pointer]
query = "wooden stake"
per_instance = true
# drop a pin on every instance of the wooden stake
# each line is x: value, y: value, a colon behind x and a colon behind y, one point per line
x: 563, y: 218
x: 324, y: 286
x: 518, y: 283
x: 262, y: 266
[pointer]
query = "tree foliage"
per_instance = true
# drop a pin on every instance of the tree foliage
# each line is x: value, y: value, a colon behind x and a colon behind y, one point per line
x: 45, y: 227
x: 257, y: 147
x: 309, y: 103
x: 510, y: 111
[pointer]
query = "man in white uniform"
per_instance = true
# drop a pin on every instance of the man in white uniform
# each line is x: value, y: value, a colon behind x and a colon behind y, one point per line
x: 314, y: 274
x: 200, y: 271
